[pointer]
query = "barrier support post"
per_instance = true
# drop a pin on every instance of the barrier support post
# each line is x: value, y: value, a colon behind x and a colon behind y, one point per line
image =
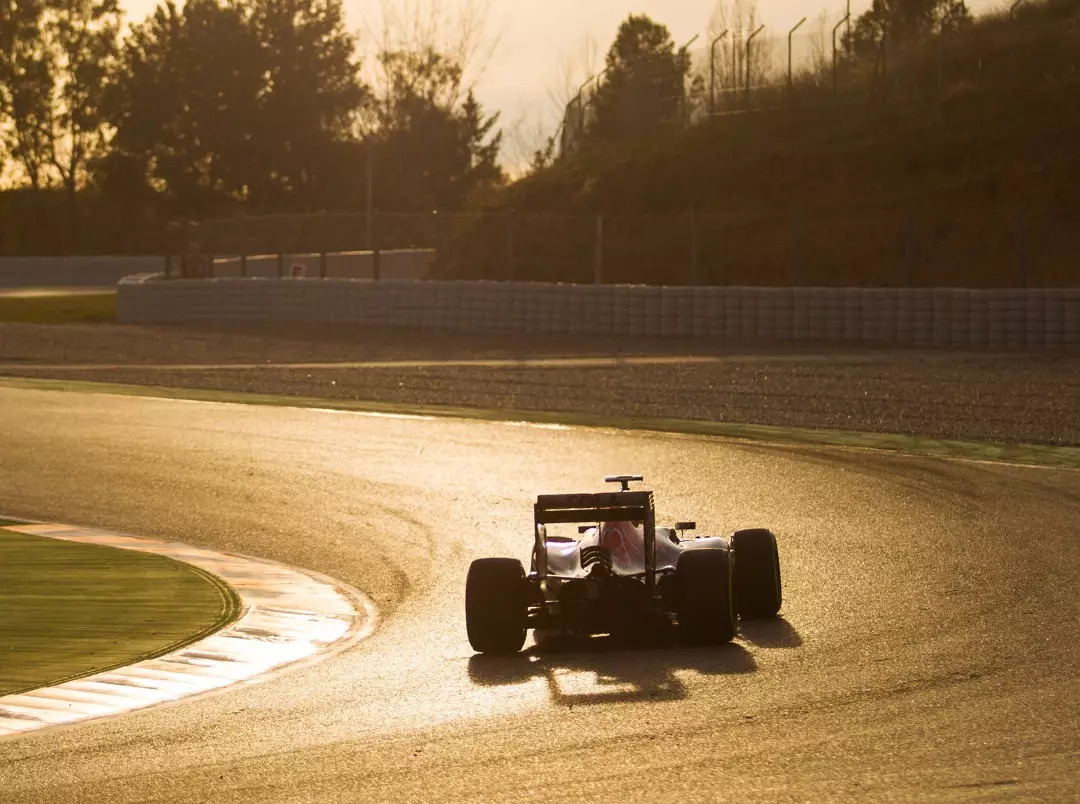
x: 598, y: 252
x: 376, y: 257
x: 693, y: 245
x: 322, y: 225
x: 510, y: 246
x: 793, y: 267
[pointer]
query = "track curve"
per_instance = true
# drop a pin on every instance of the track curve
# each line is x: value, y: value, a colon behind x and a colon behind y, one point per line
x: 275, y: 618
x: 928, y: 647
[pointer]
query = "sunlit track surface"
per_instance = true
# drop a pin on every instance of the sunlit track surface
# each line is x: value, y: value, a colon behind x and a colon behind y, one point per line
x: 928, y: 648
x: 286, y: 616
x: 547, y: 362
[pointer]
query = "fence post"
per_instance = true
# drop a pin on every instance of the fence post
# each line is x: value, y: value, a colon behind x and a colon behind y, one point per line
x: 212, y: 248
x: 369, y: 192
x: 793, y: 268
x: 885, y: 65
x: 1012, y: 49
x: 170, y: 247
x: 376, y: 256
x: 320, y: 230
x: 879, y: 62
x: 749, y: 40
x: 734, y: 73
x: 243, y: 265
x: 905, y: 235
x: 790, y: 79
x: 693, y: 245
x: 1021, y: 250
x: 598, y: 252
x: 940, y: 64
x: 510, y: 246
x: 187, y: 250
x: 834, y: 57
x: 436, y: 236
x: 847, y: 18
x: 712, y: 73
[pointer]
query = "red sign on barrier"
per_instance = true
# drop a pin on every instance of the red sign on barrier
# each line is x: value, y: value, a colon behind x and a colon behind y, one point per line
x: 297, y: 270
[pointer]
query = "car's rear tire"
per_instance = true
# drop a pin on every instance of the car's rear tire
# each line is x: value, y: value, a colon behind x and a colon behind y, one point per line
x: 757, y: 573
x: 704, y: 596
x: 496, y: 605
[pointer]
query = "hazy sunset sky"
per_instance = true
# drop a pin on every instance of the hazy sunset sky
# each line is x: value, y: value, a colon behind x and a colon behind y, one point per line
x: 538, y: 41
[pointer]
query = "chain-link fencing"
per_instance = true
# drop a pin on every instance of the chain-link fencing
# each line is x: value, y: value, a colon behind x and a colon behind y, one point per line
x: 752, y: 68
x: 906, y: 246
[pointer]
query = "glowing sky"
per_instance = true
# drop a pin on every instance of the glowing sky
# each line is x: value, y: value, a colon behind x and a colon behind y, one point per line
x: 539, y: 40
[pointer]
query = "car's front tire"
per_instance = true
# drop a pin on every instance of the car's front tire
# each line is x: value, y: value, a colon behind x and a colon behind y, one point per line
x: 496, y: 605
x: 757, y: 573
x: 704, y: 596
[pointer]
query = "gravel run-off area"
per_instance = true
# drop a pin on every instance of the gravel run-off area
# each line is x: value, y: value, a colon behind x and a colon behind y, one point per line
x: 1029, y: 397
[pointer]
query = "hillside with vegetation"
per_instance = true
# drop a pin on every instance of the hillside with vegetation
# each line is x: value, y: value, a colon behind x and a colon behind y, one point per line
x: 926, y: 148
x: 956, y: 164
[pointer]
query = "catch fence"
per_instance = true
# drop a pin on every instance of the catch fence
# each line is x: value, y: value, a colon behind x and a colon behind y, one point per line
x: 913, y: 245
x: 748, y: 67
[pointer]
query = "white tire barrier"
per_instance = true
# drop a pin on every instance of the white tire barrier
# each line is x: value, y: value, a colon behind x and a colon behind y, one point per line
x: 942, y: 317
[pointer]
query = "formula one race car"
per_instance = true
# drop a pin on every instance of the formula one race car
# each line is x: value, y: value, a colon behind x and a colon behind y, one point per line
x: 618, y: 573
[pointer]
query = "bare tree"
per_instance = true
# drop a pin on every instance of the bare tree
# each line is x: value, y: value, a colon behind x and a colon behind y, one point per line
x: 574, y: 69
x: 529, y: 144
x: 820, y: 46
x: 434, y: 34
x: 568, y: 93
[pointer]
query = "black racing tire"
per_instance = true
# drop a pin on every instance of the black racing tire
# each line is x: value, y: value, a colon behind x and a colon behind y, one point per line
x: 496, y: 605
x: 757, y: 573
x: 704, y: 592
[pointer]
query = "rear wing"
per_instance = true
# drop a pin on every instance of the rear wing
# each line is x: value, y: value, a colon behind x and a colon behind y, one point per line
x: 612, y: 506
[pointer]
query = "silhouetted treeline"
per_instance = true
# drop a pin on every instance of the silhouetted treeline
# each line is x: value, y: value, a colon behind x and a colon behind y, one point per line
x: 944, y: 153
x: 932, y: 129
x: 217, y: 108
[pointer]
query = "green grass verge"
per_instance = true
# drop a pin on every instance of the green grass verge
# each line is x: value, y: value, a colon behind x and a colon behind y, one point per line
x: 1028, y: 454
x: 80, y: 308
x: 69, y: 609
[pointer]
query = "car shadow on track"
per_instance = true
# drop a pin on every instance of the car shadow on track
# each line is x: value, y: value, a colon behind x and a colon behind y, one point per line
x: 773, y: 632
x: 601, y: 670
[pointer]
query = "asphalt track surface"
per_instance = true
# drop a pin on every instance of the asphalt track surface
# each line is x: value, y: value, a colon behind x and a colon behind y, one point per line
x: 928, y: 649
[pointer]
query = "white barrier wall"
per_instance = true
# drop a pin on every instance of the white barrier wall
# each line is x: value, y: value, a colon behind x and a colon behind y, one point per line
x: 1033, y: 319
